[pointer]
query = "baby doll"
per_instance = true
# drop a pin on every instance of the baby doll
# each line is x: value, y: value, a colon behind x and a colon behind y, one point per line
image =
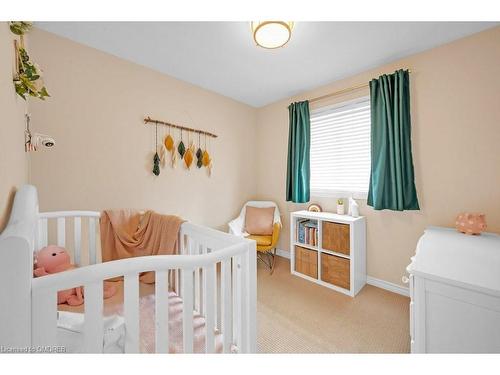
x: 54, y: 259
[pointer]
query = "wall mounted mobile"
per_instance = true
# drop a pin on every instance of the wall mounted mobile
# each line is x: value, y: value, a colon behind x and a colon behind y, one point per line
x: 186, y: 153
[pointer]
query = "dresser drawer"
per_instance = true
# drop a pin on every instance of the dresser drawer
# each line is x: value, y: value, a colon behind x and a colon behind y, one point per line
x: 336, y: 237
x: 306, y: 261
x: 336, y: 270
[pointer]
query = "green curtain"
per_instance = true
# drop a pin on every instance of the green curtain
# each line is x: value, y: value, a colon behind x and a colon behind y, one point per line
x: 299, y: 143
x: 392, y: 184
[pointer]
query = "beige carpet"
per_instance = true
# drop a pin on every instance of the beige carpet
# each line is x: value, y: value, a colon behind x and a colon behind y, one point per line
x: 297, y: 316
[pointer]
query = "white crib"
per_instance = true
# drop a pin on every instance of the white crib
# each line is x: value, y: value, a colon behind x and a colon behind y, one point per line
x: 225, y: 296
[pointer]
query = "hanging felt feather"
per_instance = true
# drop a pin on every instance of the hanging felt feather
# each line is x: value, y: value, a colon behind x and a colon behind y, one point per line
x: 199, y: 154
x: 163, y: 156
x: 209, y: 163
x: 181, y: 148
x: 174, y: 159
x: 209, y: 168
x: 163, y: 151
x: 156, y: 158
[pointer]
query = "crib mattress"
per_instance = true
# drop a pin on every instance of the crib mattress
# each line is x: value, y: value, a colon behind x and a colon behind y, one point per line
x: 114, y: 305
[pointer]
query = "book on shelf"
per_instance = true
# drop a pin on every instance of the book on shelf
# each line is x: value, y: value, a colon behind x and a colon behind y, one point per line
x: 307, y: 232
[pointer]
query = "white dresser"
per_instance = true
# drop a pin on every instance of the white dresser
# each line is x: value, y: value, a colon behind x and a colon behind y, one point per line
x: 455, y: 293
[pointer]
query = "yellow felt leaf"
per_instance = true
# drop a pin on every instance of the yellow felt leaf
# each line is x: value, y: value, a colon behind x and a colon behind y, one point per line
x: 169, y: 143
x: 188, y: 158
x: 206, y: 158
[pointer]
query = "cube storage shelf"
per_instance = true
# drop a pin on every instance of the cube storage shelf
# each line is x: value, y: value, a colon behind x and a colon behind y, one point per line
x: 332, y: 252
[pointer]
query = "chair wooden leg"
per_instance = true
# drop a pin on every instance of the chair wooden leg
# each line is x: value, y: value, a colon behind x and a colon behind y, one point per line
x: 271, y: 259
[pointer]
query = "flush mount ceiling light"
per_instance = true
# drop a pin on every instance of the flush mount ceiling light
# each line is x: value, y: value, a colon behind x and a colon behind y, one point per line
x: 272, y: 34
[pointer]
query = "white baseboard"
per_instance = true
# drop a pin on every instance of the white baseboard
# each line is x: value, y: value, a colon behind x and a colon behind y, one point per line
x: 283, y: 253
x: 391, y: 287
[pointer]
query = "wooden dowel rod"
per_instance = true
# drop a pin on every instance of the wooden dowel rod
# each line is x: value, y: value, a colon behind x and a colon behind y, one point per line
x: 159, y: 122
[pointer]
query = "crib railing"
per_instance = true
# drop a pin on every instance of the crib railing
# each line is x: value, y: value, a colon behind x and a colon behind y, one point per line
x: 215, y: 274
x: 82, y: 221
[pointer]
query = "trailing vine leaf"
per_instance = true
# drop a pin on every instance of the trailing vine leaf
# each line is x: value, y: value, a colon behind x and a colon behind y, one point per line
x: 20, y: 27
x: 28, y: 79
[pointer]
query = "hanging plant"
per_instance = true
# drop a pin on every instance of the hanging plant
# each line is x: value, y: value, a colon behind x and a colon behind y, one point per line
x: 28, y: 78
x: 20, y: 27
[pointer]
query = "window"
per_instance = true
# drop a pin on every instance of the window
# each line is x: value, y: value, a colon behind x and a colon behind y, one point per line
x: 340, y: 149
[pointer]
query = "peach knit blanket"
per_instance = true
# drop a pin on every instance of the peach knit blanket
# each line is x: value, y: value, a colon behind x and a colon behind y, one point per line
x: 129, y: 233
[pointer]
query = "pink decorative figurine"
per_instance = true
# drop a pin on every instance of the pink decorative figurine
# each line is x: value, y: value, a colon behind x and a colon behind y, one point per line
x: 54, y: 259
x: 470, y: 223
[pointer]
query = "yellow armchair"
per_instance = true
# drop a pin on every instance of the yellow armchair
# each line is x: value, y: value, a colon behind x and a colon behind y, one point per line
x: 266, y: 245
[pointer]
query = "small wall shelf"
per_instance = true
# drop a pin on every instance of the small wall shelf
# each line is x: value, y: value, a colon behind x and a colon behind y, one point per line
x: 329, y: 249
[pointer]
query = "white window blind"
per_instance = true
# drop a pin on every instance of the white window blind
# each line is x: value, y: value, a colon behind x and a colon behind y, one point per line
x: 340, y: 149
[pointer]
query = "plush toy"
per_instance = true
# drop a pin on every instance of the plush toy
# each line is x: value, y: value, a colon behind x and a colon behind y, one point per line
x: 54, y: 259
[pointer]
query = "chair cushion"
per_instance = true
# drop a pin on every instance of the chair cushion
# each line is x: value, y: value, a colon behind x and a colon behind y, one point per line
x: 261, y: 240
x: 259, y: 220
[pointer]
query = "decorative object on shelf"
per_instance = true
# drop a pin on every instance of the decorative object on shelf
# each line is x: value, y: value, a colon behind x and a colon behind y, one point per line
x: 199, y: 153
x: 271, y: 34
x: 471, y: 223
x: 340, y: 207
x: 28, y: 75
x: 353, y: 208
x: 156, y: 158
x: 314, y: 208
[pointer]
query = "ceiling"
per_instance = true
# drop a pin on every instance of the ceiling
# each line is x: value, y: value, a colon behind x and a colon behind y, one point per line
x: 222, y: 57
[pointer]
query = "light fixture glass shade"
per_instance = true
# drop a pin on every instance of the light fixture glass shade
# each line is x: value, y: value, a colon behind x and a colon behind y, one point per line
x: 272, y: 34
